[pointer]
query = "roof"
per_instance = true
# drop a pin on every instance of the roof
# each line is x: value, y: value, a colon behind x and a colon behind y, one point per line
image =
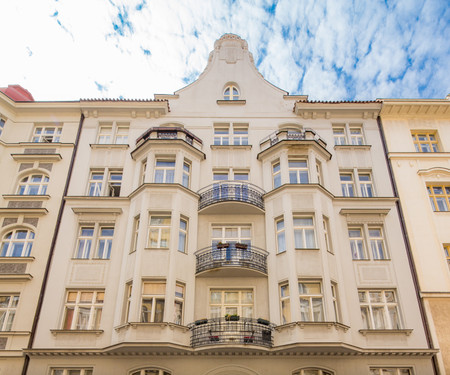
x: 17, y: 93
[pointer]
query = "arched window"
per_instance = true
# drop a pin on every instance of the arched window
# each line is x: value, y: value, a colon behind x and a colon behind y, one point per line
x: 17, y: 243
x: 231, y: 92
x: 150, y: 371
x: 312, y: 371
x: 35, y: 184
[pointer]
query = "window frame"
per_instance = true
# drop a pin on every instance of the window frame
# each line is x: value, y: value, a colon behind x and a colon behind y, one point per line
x: 380, y: 370
x: 327, y: 235
x: 144, y: 371
x: 231, y: 308
x: 24, y: 187
x: 285, y: 303
x: 443, y: 198
x: 345, y: 135
x: 276, y: 174
x: 231, y: 96
x: 370, y: 243
x: 8, y: 244
x: 135, y: 235
x: 297, y: 173
x: 309, y: 297
x: 103, y: 185
x: 163, y: 172
x: 95, y: 308
x: 280, y: 233
x: 303, y: 229
x: 2, y: 125
x: 43, y: 137
x: 8, y: 312
x: 91, y: 243
x: 112, y: 133
x: 183, y: 235
x: 186, y: 175
x: 366, y: 186
x: 155, y: 298
x: 65, y: 370
x: 382, y: 306
x: 347, y: 186
x: 320, y: 371
x: 160, y: 228
x: 178, y: 312
x: 431, y: 145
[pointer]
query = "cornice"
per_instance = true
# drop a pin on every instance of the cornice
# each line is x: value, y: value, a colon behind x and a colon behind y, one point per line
x: 124, y: 108
x: 329, y: 110
x: 417, y: 108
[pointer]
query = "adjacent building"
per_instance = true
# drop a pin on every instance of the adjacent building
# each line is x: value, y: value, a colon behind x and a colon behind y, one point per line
x: 227, y: 229
x: 418, y: 140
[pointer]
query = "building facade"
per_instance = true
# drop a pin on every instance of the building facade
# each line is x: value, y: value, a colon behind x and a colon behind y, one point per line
x: 229, y: 229
x: 417, y: 135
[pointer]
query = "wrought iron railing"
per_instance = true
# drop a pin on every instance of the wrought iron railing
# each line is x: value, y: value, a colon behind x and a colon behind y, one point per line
x: 231, y: 255
x: 224, y: 191
x: 291, y: 135
x: 222, y: 331
x: 170, y: 133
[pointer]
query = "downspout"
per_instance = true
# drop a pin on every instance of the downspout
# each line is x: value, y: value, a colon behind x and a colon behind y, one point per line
x: 52, y: 248
x: 411, y: 263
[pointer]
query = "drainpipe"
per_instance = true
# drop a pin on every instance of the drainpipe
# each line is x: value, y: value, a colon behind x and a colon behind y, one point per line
x: 412, y: 265
x: 52, y: 249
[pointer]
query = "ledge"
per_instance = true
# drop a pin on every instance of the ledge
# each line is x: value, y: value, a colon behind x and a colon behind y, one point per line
x: 151, y: 324
x: 304, y: 325
x: 416, y: 155
x: 231, y: 102
x: 16, y: 276
x: 24, y: 211
x: 352, y: 147
x: 15, y: 333
x: 364, y: 211
x: 308, y: 248
x: 97, y: 210
x: 366, y: 332
x: 16, y: 260
x: 46, y: 157
x: 76, y: 331
x: 236, y: 147
x: 26, y: 197
x: 120, y: 146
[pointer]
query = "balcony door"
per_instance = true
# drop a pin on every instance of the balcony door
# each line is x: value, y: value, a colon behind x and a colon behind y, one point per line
x: 220, y: 190
x: 231, y: 235
x: 231, y: 302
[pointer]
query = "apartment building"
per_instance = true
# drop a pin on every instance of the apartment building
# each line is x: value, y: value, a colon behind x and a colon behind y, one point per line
x: 35, y: 154
x: 418, y: 140
x: 229, y: 229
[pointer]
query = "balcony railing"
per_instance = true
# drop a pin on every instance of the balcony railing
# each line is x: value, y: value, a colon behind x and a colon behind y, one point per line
x: 225, y: 191
x: 220, y: 331
x: 170, y: 133
x: 231, y: 255
x: 291, y: 135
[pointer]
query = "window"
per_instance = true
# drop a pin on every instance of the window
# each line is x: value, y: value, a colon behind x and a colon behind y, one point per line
x: 164, y: 171
x: 312, y: 371
x: 298, y: 172
x: 47, y: 134
x: 221, y: 136
x: 128, y: 290
x: 182, y: 235
x: 379, y: 309
x: 33, y: 185
x: 425, y: 141
x: 231, y: 302
x: 232, y: 235
x: 87, y: 237
x: 153, y: 294
x: 447, y: 254
x: 231, y: 92
x: 150, y: 371
x: 240, y: 134
x: 348, y: 134
x: 365, y: 184
x: 347, y: 185
x: 95, y: 184
x: 281, y: 236
x: 319, y: 173
x: 136, y: 223
x: 390, y: 371
x: 17, y: 243
x: 83, y: 309
x: 2, y: 125
x: 178, y: 304
x: 114, y: 183
x: 71, y: 371
x: 304, y: 233
x: 311, y: 302
x: 326, y: 233
x: 240, y: 176
x: 334, y: 297
x: 8, y: 306
x: 113, y: 133
x: 439, y: 197
x: 376, y: 242
x: 186, y: 174
x: 285, y: 303
x: 357, y: 243
x: 143, y: 170
x: 276, y: 175
x: 159, y: 232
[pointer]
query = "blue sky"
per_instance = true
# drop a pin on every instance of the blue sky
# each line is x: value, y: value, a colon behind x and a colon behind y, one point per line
x: 329, y: 50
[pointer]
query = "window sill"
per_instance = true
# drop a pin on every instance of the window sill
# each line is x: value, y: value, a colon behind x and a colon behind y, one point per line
x: 156, y: 248
x: 89, y: 259
x: 109, y: 145
x: 15, y: 333
x: 307, y: 325
x: 372, y: 260
x: 366, y: 332
x: 38, y: 211
x: 40, y: 157
x: 231, y: 102
x: 352, y: 147
x: 308, y: 248
x: 25, y: 197
x: 231, y: 147
x: 16, y: 276
x: 152, y: 324
x: 96, y: 332
x: 7, y: 259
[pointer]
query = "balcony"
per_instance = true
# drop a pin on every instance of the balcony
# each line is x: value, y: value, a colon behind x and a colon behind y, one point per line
x: 231, y: 191
x: 221, y: 331
x: 247, y: 257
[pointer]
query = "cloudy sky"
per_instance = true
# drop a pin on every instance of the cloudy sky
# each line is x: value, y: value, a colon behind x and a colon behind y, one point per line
x: 329, y: 50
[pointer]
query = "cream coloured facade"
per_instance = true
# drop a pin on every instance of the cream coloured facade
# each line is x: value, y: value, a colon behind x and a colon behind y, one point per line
x: 230, y: 229
x: 418, y: 141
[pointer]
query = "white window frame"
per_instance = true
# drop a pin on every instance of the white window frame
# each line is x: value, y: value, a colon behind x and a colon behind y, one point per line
x: 309, y: 314
x: 347, y: 186
x: 240, y: 134
x: 144, y: 371
x: 425, y: 141
x: 46, y: 134
x: 96, y: 182
x: 366, y: 186
x: 2, y: 126
x: 143, y: 171
x: 183, y: 235
x: 231, y: 92
x: 226, y: 238
x: 114, y: 183
x: 186, y: 178
x: 136, y: 225
x: 223, y: 307
x: 222, y: 135
x: 297, y: 173
x: 276, y: 174
x: 178, y: 307
x: 104, y: 184
x: 348, y: 134
x: 319, y: 371
x: 8, y: 307
x: 128, y: 294
x: 113, y: 133
x: 386, y: 370
x: 86, y: 241
x: 371, y: 245
x: 383, y: 306
x: 164, y: 172
x: 24, y: 244
x: 159, y: 229
x: 280, y: 229
x: 65, y: 370
x: 285, y: 303
x: 303, y: 229
x: 155, y: 299
x: 31, y: 182
x: 95, y: 306
x: 335, y: 300
x: 327, y: 235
